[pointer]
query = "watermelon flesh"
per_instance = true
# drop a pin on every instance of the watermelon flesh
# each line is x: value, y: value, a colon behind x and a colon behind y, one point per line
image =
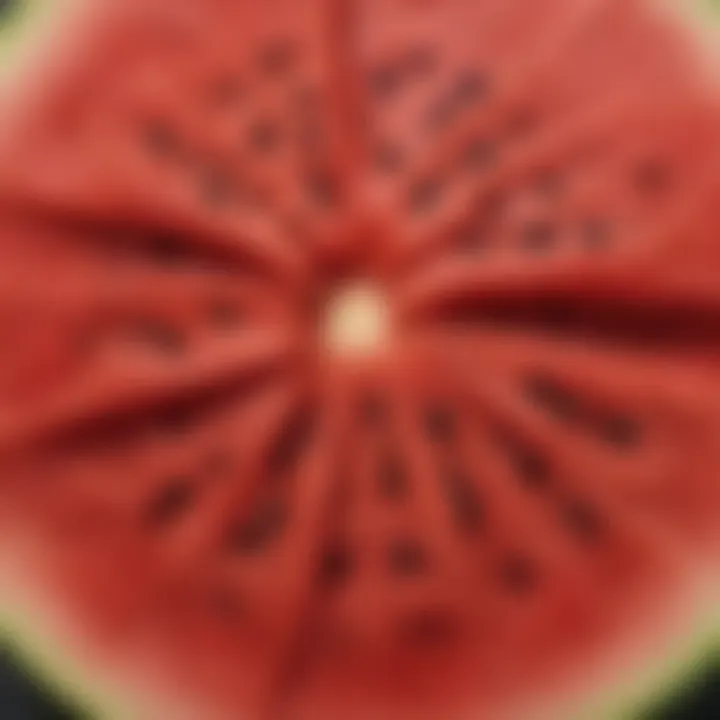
x: 511, y: 487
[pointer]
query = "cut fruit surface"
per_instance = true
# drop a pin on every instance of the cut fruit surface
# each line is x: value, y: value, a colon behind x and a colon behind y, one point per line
x: 360, y: 359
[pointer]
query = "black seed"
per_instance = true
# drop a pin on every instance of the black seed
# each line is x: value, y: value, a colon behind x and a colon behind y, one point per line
x: 532, y: 466
x: 174, y: 499
x: 421, y: 61
x: 621, y: 431
x: 160, y: 336
x: 408, y: 558
x: 583, y: 521
x: 521, y: 123
x: 493, y: 204
x: 440, y: 423
x: 161, y: 140
x: 518, y: 574
x: 278, y: 57
x: 652, y: 176
x: 471, y: 87
x: 293, y: 440
x: 225, y: 602
x: 227, y: 91
x: 538, y: 235
x: 265, y: 136
x: 385, y: 81
x: 553, y: 397
x: 428, y: 628
x: 373, y: 409
x: 425, y: 194
x: 480, y: 154
x: 175, y: 420
x: 224, y: 314
x: 337, y: 566
x: 596, y: 233
x: 388, y: 158
x: 465, y: 503
x: 472, y: 239
x: 322, y: 188
x: 216, y: 187
x: 393, y: 476
x: 439, y: 115
x: 549, y: 182
x: 166, y: 251
x: 262, y: 529
x: 529, y: 464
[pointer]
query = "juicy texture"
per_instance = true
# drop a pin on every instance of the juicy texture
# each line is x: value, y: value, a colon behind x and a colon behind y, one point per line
x: 483, y: 508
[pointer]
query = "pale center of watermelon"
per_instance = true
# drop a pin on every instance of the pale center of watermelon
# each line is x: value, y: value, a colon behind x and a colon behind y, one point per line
x: 356, y: 319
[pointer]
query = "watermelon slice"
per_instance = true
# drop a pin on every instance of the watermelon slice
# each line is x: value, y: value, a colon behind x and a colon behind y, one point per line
x: 360, y: 358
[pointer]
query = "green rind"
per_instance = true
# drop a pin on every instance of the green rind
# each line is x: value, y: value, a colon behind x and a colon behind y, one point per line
x: 58, y: 672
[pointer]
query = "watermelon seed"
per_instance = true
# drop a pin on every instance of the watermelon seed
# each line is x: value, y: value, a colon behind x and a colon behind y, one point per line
x: 175, y: 420
x: 464, y: 499
x: 472, y: 239
x: 166, y: 252
x: 226, y: 91
x: 373, y: 409
x: 493, y: 204
x: 279, y: 57
x: 216, y: 187
x: 338, y: 564
x: 652, y: 177
x: 583, y: 521
x: 553, y: 397
x: 265, y: 526
x: 385, y: 81
x: 480, y: 154
x: 322, y: 187
x: 621, y: 431
x: 160, y: 336
x: 596, y: 233
x: 428, y: 628
x: 388, y: 158
x: 518, y: 574
x: 539, y: 236
x: 293, y: 440
x: 421, y: 61
x: 440, y: 423
x: 224, y: 314
x: 264, y: 136
x: 521, y: 123
x: 408, y: 558
x: 161, y: 140
x: 548, y: 182
x: 425, y: 194
x: 528, y: 463
x: 471, y: 87
x: 393, y: 477
x: 174, y: 499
